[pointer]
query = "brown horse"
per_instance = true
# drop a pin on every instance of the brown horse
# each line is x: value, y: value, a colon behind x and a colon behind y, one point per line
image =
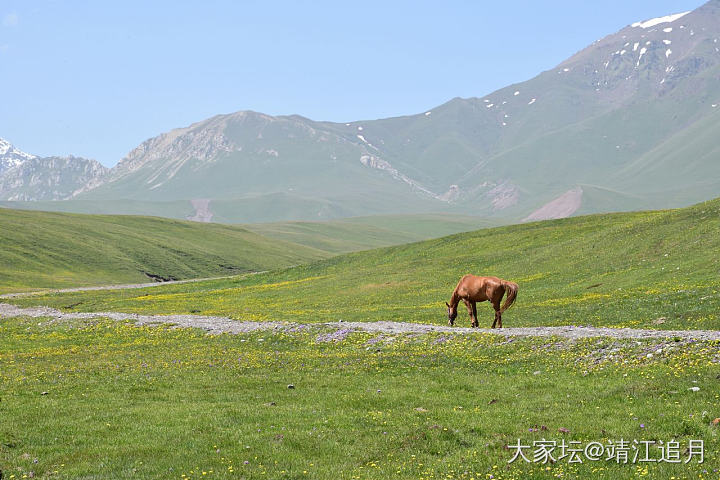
x: 471, y: 289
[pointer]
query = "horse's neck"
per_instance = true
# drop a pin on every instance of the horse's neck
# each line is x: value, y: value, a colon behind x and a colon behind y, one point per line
x: 455, y: 299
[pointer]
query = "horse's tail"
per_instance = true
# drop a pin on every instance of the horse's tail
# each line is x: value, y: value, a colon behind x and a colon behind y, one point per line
x: 511, y: 290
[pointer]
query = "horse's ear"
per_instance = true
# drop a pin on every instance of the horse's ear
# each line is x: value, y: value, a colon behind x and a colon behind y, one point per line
x: 447, y: 304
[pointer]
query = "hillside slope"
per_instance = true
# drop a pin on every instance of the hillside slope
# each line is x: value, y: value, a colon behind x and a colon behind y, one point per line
x: 50, y: 250
x: 363, y: 233
x: 657, y: 269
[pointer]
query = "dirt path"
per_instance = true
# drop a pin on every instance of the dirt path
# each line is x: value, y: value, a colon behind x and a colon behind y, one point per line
x: 217, y: 325
x: 112, y: 287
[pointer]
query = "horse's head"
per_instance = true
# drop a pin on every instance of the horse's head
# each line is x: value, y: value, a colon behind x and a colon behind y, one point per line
x: 452, y: 313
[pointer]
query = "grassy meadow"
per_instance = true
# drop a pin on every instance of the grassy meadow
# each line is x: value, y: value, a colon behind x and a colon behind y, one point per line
x: 102, y: 399
x: 362, y: 233
x: 55, y: 250
x: 647, y: 270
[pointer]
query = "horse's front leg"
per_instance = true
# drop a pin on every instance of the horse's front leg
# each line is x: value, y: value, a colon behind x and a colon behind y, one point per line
x: 469, y: 306
x: 475, y: 323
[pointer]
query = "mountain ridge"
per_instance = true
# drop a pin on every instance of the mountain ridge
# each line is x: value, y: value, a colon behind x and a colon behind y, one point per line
x: 610, y: 115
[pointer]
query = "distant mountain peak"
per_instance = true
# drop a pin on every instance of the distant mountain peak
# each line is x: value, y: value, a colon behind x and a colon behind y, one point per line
x: 48, y: 178
x: 10, y: 156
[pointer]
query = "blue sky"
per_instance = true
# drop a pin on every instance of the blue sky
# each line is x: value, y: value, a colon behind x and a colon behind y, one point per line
x: 95, y: 79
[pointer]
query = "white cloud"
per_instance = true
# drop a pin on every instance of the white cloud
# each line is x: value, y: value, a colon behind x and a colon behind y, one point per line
x: 10, y: 20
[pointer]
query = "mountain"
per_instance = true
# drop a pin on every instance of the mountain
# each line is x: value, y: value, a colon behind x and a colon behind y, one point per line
x: 26, y: 177
x: 627, y: 123
x: 10, y: 156
x: 255, y: 167
x: 48, y: 178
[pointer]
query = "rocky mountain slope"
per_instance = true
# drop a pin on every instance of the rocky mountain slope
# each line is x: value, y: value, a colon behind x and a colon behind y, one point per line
x: 29, y: 178
x: 628, y: 122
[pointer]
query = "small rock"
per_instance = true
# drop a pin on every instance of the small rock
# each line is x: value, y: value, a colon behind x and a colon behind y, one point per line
x: 537, y: 372
x: 43, y: 393
x: 291, y: 386
x: 659, y: 321
x: 420, y: 409
x: 694, y: 389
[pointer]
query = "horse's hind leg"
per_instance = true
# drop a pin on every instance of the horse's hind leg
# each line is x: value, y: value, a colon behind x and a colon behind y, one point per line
x: 498, y: 316
x: 475, y: 323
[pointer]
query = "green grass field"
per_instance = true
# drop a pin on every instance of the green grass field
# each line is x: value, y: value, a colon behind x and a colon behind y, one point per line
x: 111, y: 400
x: 362, y: 233
x: 649, y: 269
x: 51, y: 250
x: 102, y: 399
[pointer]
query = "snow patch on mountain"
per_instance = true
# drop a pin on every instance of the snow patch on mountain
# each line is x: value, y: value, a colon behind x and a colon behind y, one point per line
x: 11, y: 157
x: 657, y: 21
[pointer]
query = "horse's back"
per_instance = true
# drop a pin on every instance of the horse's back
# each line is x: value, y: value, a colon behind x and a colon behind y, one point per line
x: 479, y: 288
x: 470, y: 279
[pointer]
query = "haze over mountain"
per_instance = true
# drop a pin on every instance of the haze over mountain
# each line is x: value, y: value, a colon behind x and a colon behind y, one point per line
x: 629, y: 122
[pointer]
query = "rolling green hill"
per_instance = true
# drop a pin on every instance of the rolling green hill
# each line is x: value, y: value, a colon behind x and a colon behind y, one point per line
x: 362, y: 233
x: 42, y: 249
x: 657, y: 269
x: 50, y: 250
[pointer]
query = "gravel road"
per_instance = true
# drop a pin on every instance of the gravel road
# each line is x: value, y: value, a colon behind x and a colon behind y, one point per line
x: 217, y: 325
